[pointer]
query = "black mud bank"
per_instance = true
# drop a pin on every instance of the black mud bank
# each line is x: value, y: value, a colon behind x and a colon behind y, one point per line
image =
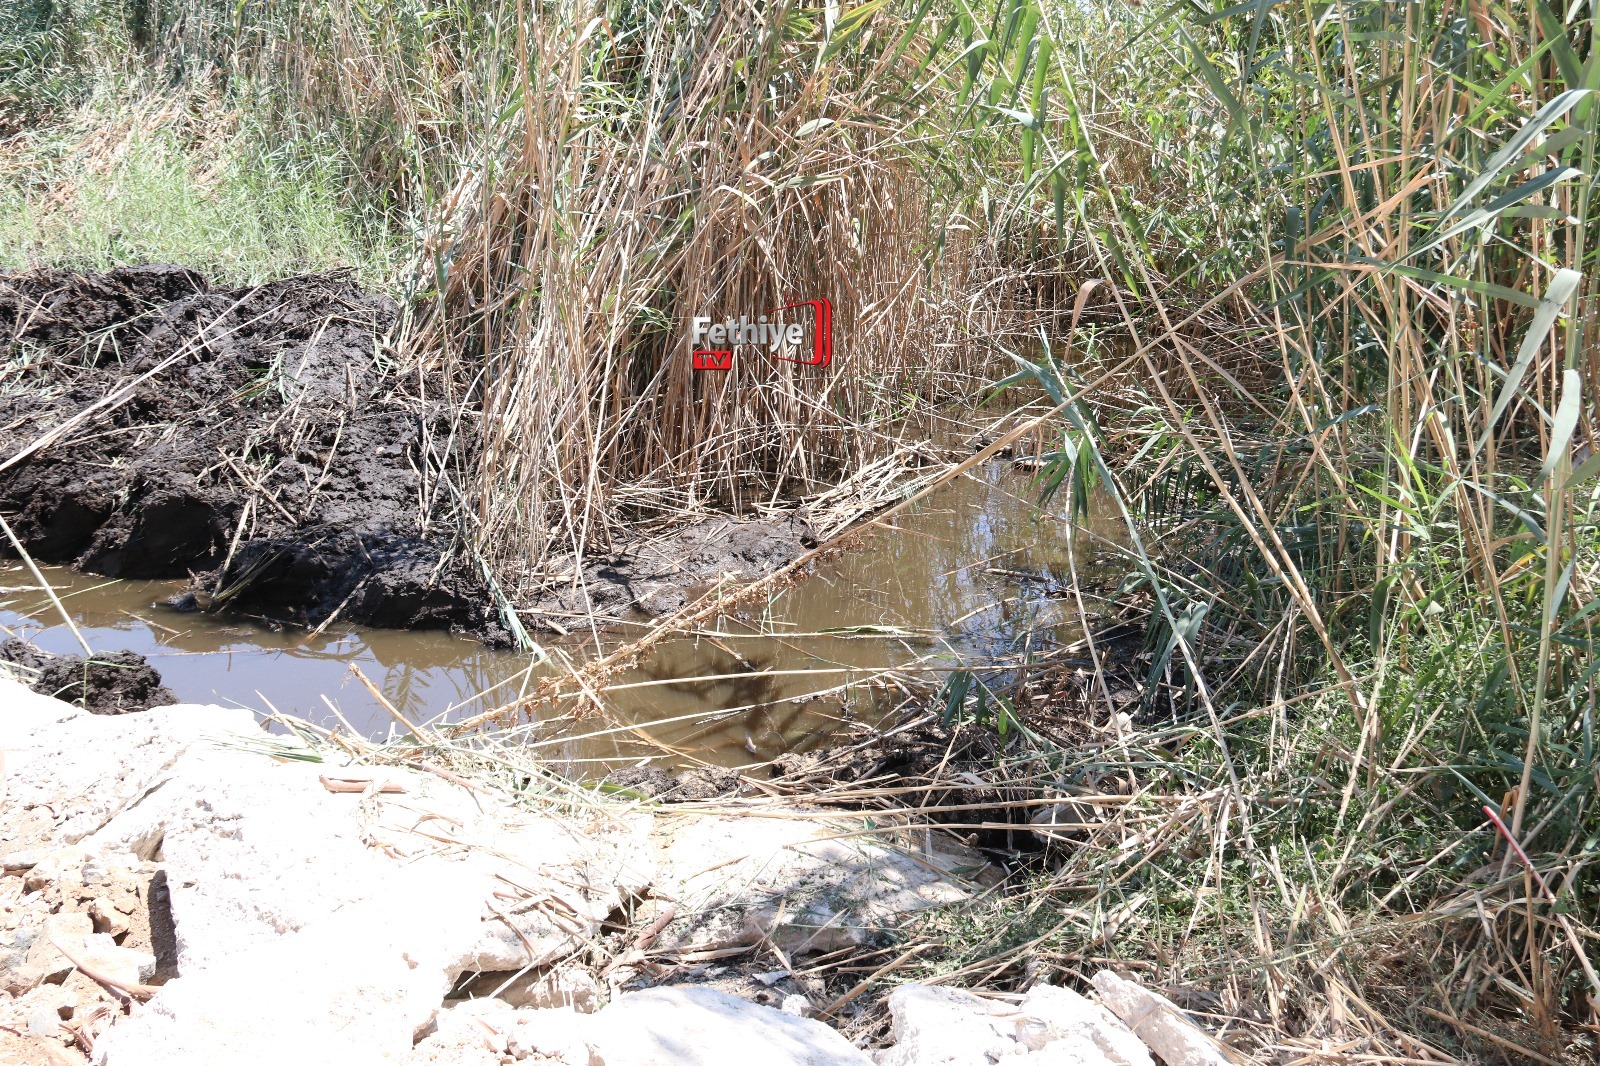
x: 262, y: 443
x: 254, y: 440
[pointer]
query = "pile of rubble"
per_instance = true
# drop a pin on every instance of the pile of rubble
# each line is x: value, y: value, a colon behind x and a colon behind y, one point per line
x: 179, y: 887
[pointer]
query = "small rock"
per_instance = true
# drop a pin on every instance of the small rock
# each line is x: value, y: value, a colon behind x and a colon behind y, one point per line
x: 44, y: 1021
x: 936, y: 1026
x: 53, y: 867
x: 1052, y: 1014
x: 15, y: 945
x: 108, y: 918
x: 65, y: 997
x: 798, y: 1005
x: 804, y: 885
x: 19, y: 861
x: 1050, y: 1027
x: 699, y: 1026
x: 95, y: 871
x: 1068, y: 820
x: 1164, y: 1028
x: 44, y: 962
x: 555, y: 1035
x: 125, y: 965
x: 564, y: 987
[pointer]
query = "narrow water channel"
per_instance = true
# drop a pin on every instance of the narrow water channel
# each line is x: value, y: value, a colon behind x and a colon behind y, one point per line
x: 977, y: 573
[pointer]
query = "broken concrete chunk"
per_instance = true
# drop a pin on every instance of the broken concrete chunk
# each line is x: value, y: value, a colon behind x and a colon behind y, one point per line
x: 1051, y: 1027
x: 1051, y: 1014
x: 699, y: 1026
x: 1164, y: 1028
x: 936, y: 1026
x: 808, y: 885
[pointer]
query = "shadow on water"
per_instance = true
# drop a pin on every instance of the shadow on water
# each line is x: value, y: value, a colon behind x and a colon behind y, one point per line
x: 976, y: 573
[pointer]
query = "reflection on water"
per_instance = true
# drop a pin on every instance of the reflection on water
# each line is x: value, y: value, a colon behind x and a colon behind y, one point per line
x: 976, y: 572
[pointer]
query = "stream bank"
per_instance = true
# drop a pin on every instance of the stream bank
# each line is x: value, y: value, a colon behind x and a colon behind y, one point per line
x: 262, y: 486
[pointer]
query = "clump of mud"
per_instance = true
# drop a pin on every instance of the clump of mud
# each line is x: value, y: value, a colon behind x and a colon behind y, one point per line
x: 255, y: 440
x: 655, y: 576
x: 695, y: 785
x: 115, y: 682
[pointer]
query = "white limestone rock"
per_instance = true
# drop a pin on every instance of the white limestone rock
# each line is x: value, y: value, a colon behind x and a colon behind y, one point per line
x: 1052, y: 1015
x: 1159, y: 1022
x: 23, y: 711
x: 268, y: 871
x: 69, y: 774
x: 935, y: 1026
x: 256, y: 849
x: 699, y: 1026
x: 806, y: 884
x: 558, y: 1036
x: 352, y: 989
x: 311, y: 926
x: 102, y: 954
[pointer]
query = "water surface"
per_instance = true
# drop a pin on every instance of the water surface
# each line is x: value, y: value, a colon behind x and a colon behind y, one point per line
x: 975, y: 573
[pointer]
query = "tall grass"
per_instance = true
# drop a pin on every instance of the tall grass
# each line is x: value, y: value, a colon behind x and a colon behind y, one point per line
x: 116, y: 151
x: 154, y: 181
x: 703, y: 162
x: 1376, y: 592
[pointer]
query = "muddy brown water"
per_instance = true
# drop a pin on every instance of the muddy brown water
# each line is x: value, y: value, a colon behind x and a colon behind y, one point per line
x: 964, y: 577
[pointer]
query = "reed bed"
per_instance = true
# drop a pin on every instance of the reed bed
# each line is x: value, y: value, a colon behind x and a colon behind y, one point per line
x: 581, y: 179
x: 1362, y: 524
